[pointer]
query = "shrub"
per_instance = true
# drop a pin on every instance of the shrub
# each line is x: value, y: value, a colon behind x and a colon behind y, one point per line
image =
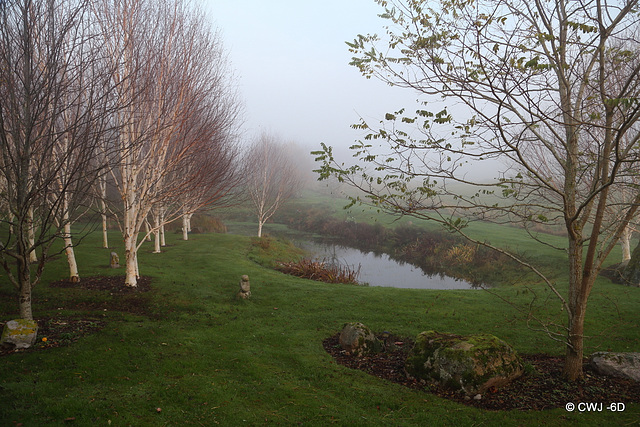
x: 320, y: 271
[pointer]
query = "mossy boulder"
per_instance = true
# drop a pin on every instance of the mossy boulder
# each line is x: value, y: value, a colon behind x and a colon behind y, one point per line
x: 356, y: 338
x: 19, y: 333
x: 471, y: 364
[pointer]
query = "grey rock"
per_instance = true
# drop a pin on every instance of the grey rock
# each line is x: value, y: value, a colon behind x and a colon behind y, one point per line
x: 20, y: 333
x: 621, y: 365
x: 356, y: 338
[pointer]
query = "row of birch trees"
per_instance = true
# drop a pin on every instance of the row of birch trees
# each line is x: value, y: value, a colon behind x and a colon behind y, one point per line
x: 133, y: 98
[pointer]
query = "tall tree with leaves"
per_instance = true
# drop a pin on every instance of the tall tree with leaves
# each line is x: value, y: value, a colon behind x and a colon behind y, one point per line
x: 514, y: 81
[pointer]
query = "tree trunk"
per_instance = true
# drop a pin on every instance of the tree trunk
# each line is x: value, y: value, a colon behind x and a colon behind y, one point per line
x: 105, y: 237
x: 24, y: 279
x: 33, y: 257
x: 573, y: 360
x: 103, y: 211
x: 71, y: 257
x: 163, y: 242
x: 575, y: 349
x: 185, y: 227
x: 147, y: 230
x: 625, y: 243
x: 260, y: 228
x: 131, y: 261
x: 156, y: 233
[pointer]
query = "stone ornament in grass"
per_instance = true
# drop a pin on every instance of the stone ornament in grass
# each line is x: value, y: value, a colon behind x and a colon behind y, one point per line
x: 471, y: 364
x: 245, y: 287
x: 357, y: 339
x: 115, y: 260
x: 621, y: 365
x: 19, y: 333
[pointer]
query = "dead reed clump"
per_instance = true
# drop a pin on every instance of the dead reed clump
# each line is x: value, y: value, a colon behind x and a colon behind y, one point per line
x: 321, y: 271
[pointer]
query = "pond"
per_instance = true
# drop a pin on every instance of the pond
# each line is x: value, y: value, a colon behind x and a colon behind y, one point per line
x: 380, y: 270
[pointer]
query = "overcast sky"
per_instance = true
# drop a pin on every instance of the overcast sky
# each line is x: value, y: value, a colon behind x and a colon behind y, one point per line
x: 293, y: 67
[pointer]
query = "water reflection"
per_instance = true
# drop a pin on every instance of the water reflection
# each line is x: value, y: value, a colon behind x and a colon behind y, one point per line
x: 379, y: 269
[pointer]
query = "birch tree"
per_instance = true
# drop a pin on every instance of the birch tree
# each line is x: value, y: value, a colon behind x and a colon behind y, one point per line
x: 169, y: 67
x: 501, y: 80
x: 272, y: 177
x: 49, y: 123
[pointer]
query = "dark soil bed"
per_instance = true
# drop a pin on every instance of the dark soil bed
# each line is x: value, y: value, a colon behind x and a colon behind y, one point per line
x: 63, y: 330
x: 542, y: 388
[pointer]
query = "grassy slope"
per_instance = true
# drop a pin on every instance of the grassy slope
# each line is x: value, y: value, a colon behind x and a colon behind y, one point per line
x: 213, y: 359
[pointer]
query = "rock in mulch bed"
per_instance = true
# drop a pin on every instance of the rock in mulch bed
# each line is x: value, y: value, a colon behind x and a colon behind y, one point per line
x: 56, y: 332
x: 63, y: 330
x: 542, y: 386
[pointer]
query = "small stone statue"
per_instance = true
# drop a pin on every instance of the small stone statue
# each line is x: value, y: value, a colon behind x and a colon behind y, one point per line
x: 115, y: 261
x: 245, y: 288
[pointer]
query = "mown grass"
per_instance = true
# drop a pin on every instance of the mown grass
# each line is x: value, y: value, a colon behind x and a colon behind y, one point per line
x: 206, y: 358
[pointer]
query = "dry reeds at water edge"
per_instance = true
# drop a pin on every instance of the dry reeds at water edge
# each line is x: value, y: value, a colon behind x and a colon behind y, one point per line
x: 321, y: 271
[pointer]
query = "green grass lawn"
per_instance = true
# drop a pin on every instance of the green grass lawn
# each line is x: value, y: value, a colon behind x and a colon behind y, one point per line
x: 206, y: 358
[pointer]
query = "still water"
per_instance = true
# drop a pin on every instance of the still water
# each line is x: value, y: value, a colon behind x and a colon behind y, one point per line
x: 380, y: 270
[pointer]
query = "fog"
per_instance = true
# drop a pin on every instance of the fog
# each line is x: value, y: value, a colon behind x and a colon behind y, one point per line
x: 293, y: 70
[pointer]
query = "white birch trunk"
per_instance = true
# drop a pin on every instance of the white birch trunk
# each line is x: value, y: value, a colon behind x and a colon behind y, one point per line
x: 185, y: 227
x: 163, y: 242
x: 105, y: 236
x: 130, y: 235
x: 33, y: 257
x: 156, y: 233
x: 74, y: 277
x: 625, y: 243
x: 147, y: 230
x: 103, y: 211
x: 131, y: 262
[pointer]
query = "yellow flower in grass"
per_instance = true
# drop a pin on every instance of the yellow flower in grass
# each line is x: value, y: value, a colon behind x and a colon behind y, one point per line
x: 44, y: 339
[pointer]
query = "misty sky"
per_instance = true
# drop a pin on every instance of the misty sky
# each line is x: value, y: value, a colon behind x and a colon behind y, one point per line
x: 293, y: 67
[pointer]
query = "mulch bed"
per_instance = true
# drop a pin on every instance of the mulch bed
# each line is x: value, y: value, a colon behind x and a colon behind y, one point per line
x: 59, y: 331
x: 544, y: 388
x: 113, y: 284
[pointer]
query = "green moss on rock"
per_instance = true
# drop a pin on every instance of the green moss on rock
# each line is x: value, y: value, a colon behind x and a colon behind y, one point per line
x: 20, y: 333
x: 356, y: 338
x: 468, y: 363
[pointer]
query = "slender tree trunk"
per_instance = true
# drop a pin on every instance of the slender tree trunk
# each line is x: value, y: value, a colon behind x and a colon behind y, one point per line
x: 74, y: 277
x: 147, y: 230
x: 33, y: 257
x: 260, y: 222
x: 156, y: 233
x: 163, y: 242
x: 575, y: 347
x: 185, y: 227
x: 130, y: 236
x: 105, y: 235
x: 625, y: 243
x: 131, y: 260
x: 24, y: 275
x: 103, y: 211
x: 25, y: 290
